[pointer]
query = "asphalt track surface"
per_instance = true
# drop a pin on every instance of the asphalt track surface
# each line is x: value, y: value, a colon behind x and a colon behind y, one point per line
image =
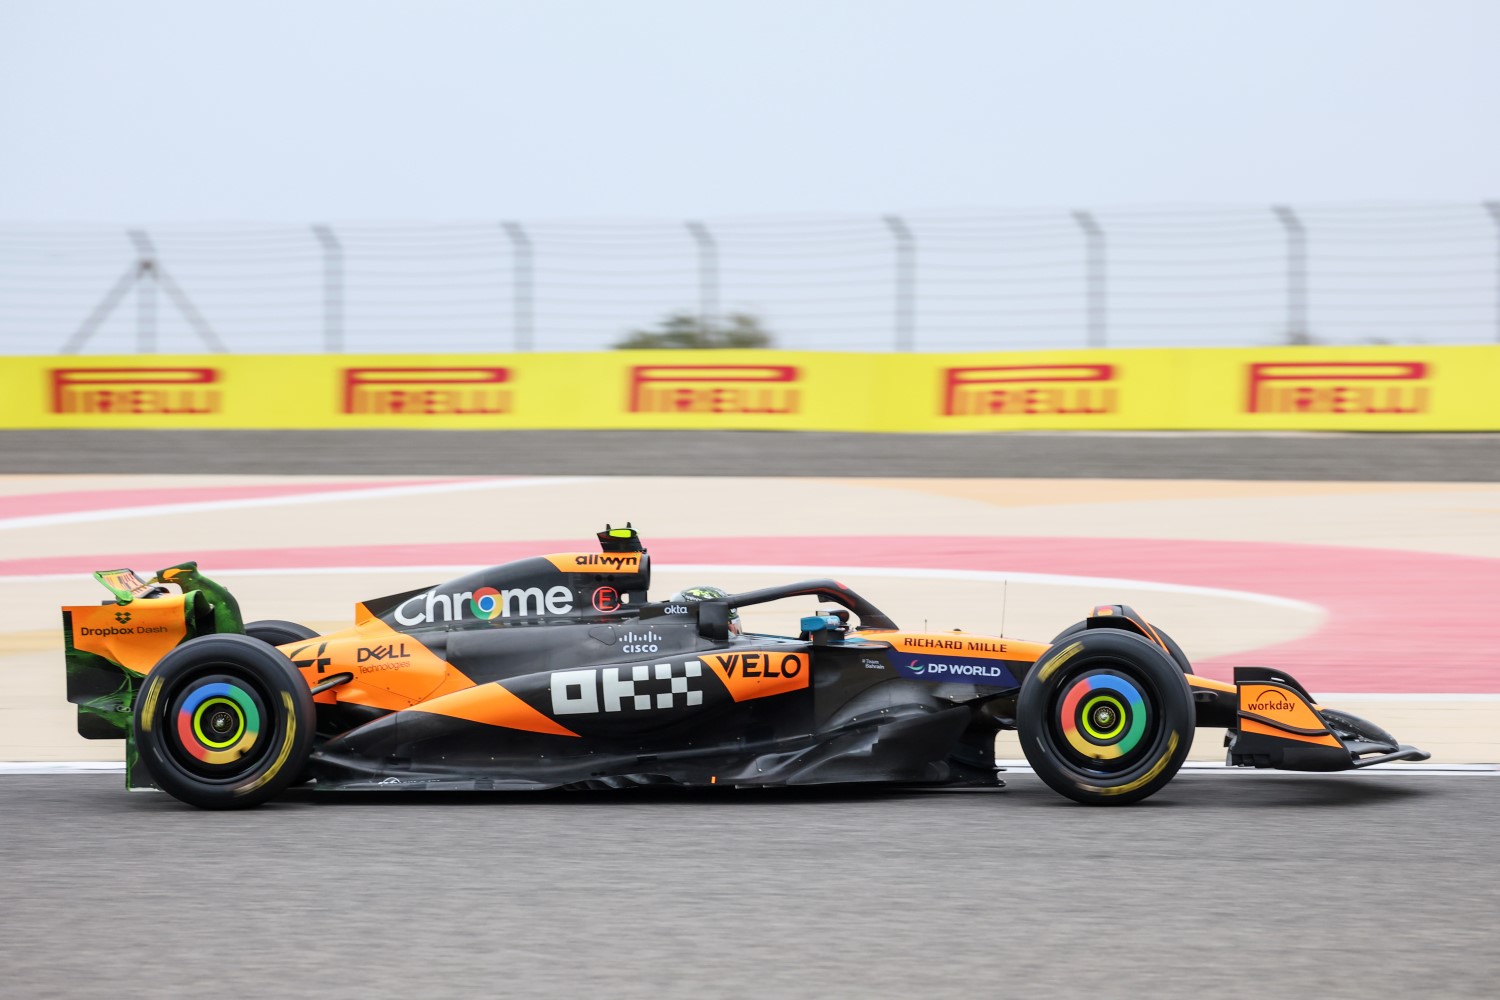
x: 1237, y: 884
x: 1356, y: 457
x: 1222, y: 885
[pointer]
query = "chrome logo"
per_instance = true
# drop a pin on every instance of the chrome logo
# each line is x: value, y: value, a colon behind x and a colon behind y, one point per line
x: 485, y: 603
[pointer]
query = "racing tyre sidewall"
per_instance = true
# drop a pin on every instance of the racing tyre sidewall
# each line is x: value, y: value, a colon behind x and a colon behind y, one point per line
x: 279, y: 632
x: 275, y: 632
x: 1105, y: 717
x: 1178, y: 656
x: 224, y: 722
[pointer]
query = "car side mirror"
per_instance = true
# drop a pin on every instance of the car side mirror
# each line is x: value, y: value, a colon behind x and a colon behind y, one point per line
x: 713, y: 620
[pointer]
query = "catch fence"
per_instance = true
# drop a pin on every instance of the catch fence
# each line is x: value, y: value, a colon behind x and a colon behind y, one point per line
x: 919, y: 281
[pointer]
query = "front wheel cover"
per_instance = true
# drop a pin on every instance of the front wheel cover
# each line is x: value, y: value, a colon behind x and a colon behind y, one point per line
x: 1105, y: 718
x: 224, y: 722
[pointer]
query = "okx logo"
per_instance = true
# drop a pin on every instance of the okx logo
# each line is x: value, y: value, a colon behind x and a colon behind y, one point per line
x: 641, y: 688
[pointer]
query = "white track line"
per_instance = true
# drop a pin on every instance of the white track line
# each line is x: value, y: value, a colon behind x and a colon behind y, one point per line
x: 1426, y: 770
x: 913, y: 573
x: 1007, y: 767
x: 1001, y: 576
x: 372, y: 493
x: 804, y: 572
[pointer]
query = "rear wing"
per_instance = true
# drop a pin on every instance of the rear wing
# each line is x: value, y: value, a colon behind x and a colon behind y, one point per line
x: 110, y: 647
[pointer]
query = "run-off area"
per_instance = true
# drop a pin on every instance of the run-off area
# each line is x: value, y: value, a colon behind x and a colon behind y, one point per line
x: 1374, y: 593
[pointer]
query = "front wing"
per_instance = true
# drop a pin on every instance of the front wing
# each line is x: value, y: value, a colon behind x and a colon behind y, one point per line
x: 1278, y: 725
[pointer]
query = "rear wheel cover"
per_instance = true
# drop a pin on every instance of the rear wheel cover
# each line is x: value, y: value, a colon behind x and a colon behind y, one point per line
x: 218, y: 721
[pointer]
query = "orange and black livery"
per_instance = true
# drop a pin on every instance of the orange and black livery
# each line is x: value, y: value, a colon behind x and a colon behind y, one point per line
x: 560, y: 671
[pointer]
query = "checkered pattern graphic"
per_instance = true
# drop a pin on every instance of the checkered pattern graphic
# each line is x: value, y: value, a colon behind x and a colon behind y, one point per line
x: 666, y: 671
x: 618, y: 689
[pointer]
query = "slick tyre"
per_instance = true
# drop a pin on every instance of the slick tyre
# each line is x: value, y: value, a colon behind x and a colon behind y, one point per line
x: 1105, y: 717
x: 1178, y: 656
x: 224, y: 722
x: 274, y: 632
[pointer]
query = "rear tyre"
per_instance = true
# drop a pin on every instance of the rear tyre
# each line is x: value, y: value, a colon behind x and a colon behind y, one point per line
x: 1105, y: 717
x: 274, y: 632
x: 1178, y: 656
x: 224, y: 722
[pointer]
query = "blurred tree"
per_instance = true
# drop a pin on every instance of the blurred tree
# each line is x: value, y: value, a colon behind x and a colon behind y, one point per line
x: 684, y: 330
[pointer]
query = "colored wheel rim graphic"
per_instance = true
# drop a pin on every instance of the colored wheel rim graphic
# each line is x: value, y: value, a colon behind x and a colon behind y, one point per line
x: 485, y: 603
x: 1103, y: 716
x: 218, y: 723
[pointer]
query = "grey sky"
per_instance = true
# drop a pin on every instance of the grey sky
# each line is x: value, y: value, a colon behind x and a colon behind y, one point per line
x: 184, y: 112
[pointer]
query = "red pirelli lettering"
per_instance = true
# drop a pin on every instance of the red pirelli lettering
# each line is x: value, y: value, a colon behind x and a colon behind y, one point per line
x: 764, y: 389
x: 427, y: 392
x: 1338, y: 387
x: 1029, y: 390
x: 135, y: 391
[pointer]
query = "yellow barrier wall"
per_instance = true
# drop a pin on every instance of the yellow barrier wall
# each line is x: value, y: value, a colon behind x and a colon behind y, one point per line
x: 1293, y: 388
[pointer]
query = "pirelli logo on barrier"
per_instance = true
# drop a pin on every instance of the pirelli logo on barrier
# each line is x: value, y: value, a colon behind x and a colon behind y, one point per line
x: 1030, y: 390
x: 1339, y: 387
x: 426, y: 392
x: 136, y: 391
x: 708, y: 389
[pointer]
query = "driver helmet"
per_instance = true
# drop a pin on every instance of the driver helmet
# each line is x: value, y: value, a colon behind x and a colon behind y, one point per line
x: 707, y: 593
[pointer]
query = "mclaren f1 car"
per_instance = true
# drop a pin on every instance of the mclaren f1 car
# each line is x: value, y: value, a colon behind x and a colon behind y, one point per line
x: 560, y: 672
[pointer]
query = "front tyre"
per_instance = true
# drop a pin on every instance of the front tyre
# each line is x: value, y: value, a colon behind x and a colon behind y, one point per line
x: 224, y: 722
x: 1105, y: 717
x: 1178, y: 656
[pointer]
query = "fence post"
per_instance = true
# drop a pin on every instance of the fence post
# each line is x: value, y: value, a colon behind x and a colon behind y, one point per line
x: 146, y: 273
x: 906, y: 282
x: 1494, y: 207
x: 333, y: 289
x: 145, y: 292
x: 1296, y: 275
x: 521, y: 284
x: 708, y: 277
x: 1096, y: 288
